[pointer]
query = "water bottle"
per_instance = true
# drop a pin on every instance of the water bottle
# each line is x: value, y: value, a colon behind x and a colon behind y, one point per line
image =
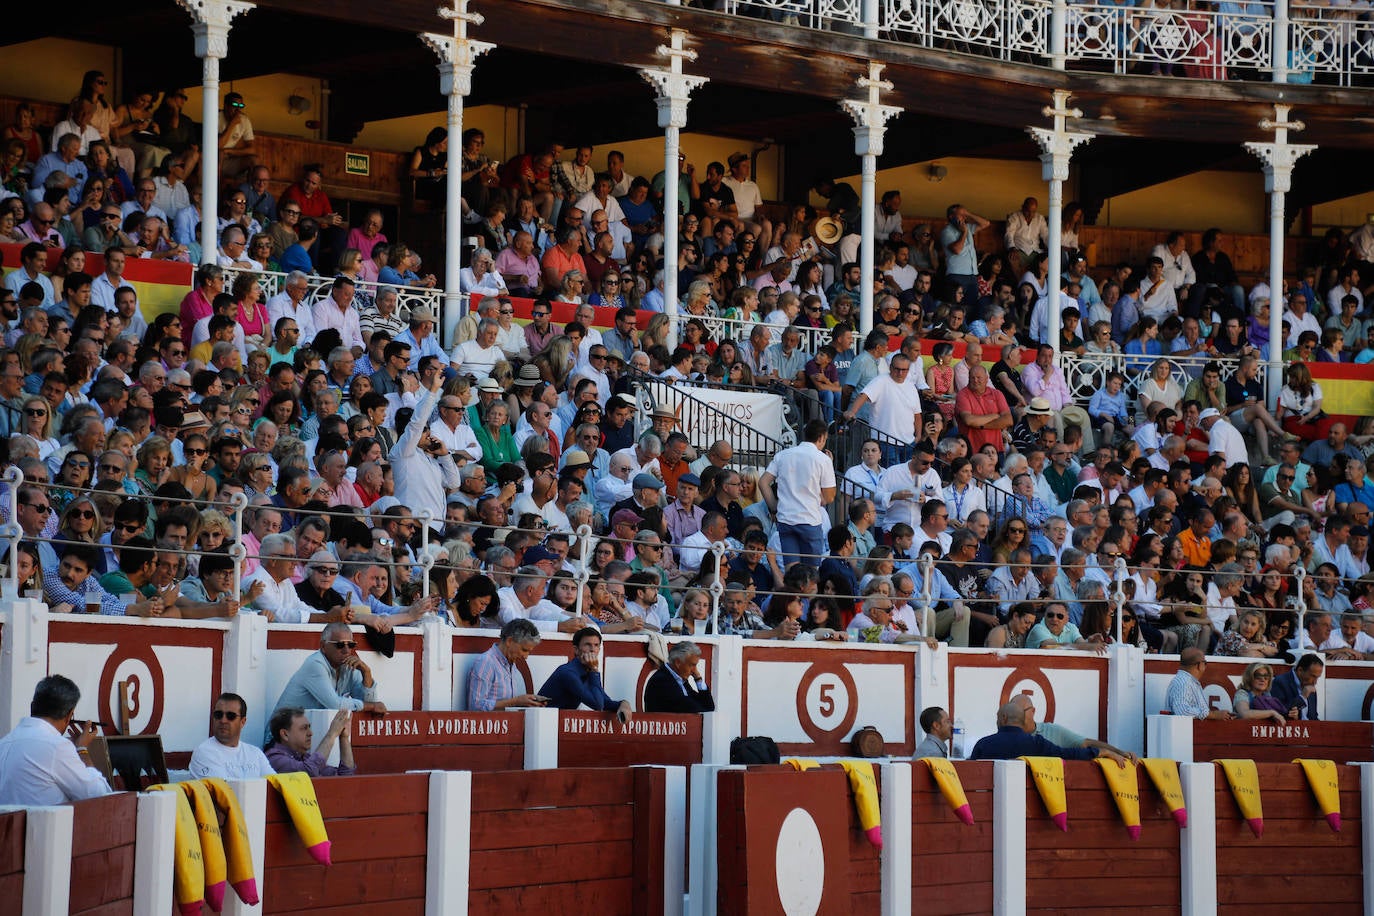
x: 957, y: 751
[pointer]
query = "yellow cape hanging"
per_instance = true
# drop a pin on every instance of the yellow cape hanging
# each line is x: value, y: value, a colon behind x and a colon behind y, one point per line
x: 947, y: 778
x: 1326, y: 788
x: 299, y: 794
x: 1124, y: 784
x: 238, y: 852
x: 1164, y: 774
x: 1243, y: 777
x: 865, y: 789
x: 211, y: 846
x: 1049, y: 782
x: 188, y: 867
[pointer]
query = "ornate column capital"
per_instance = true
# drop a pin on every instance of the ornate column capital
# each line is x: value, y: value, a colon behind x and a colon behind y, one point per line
x: 210, y: 23
x: 870, y: 120
x: 1278, y: 159
x: 1056, y: 149
x: 457, y: 58
x: 674, y: 90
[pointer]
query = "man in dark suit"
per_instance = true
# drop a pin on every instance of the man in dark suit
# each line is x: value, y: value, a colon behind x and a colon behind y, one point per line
x: 1297, y: 689
x: 676, y: 687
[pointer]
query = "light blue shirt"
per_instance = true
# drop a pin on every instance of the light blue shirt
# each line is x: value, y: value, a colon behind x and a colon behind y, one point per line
x: 420, y: 349
x: 316, y: 685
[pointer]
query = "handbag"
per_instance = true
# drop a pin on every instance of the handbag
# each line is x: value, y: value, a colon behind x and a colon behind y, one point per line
x: 754, y: 750
x: 867, y: 742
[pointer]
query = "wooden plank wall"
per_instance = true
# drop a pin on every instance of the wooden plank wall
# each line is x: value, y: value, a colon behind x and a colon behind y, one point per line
x: 103, y: 829
x: 1298, y: 861
x: 567, y: 841
x: 1343, y: 742
x: 378, y: 827
x: 578, y: 747
x: 865, y: 859
x: 1096, y: 857
x: 284, y: 157
x: 951, y: 861
x: 468, y: 752
x: 12, y: 827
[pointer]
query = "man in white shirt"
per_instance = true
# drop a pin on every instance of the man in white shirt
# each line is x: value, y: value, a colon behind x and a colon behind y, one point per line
x: 104, y: 286
x: 477, y: 357
x: 290, y: 303
x: 748, y: 197
x: 1223, y: 438
x: 1178, y: 266
x: 896, y: 404
x: 524, y: 599
x: 1027, y: 233
x: 1157, y: 297
x: 904, y: 486
x: 805, y: 479
x: 453, y: 432
x: 223, y: 755
x: 337, y: 312
x: 277, y: 597
x: 714, y: 527
x: 482, y: 276
x: 39, y: 764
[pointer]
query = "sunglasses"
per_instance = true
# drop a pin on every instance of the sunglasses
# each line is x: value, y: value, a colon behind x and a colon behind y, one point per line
x: 1056, y: 616
x: 225, y: 714
x: 196, y: 451
x: 35, y: 413
x: 111, y: 469
x: 84, y: 514
x: 344, y: 644
x: 130, y: 528
x: 41, y: 510
x: 330, y: 571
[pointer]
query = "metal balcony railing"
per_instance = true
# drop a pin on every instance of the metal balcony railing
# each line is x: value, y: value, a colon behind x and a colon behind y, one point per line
x: 1198, y: 39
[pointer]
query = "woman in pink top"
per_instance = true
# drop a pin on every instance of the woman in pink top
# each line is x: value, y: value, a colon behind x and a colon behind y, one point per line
x: 197, y: 304
x: 251, y: 314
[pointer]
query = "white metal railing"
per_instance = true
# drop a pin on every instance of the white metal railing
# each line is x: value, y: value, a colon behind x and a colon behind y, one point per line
x: 719, y: 328
x: 1087, y: 373
x: 1216, y: 41
x: 408, y: 297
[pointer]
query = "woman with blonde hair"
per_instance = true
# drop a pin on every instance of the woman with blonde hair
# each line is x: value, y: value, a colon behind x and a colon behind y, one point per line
x: 1253, y: 699
x: 655, y: 333
x: 215, y: 530
x: 38, y: 426
x: 80, y: 521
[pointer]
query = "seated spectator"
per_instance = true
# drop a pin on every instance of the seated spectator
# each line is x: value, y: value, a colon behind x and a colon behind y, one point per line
x: 334, y: 677
x: 290, y: 748
x: 1186, y: 697
x: 494, y: 683
x: 223, y: 755
x: 1055, y: 631
x: 577, y: 683
x: 1016, y: 737
x: 45, y: 760
x: 1296, y: 688
x: 1253, y: 699
x: 678, y: 686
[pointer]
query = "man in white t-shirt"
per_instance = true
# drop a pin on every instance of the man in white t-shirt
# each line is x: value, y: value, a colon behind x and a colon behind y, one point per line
x: 223, y: 755
x: 479, y: 356
x: 805, y: 479
x: 748, y: 197
x: 896, y: 406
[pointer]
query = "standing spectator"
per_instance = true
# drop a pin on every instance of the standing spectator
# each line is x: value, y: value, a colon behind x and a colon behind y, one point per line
x: 805, y: 483
x: 983, y: 412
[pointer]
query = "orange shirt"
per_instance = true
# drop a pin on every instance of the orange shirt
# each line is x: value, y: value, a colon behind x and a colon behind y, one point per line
x: 671, y: 474
x: 1197, y: 551
x: 556, y: 260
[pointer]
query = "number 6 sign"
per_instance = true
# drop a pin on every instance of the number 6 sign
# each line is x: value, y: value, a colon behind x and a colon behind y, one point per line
x: 827, y: 701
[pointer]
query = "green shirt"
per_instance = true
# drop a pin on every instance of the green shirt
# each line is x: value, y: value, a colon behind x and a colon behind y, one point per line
x: 117, y: 583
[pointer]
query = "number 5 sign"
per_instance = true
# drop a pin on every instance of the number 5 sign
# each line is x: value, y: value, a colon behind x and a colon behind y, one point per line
x: 827, y: 702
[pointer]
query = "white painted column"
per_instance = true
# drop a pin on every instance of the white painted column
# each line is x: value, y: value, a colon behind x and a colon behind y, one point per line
x: 1278, y: 158
x: 895, y: 804
x: 726, y: 681
x: 47, y: 860
x: 436, y: 661
x: 211, y: 20
x: 870, y: 118
x: 703, y: 879
x: 674, y: 91
x: 1126, y: 697
x: 245, y: 671
x: 1009, y: 838
x: 155, y: 839
x: 457, y: 57
x: 1169, y: 736
x: 448, y: 855
x: 1056, y: 146
x: 932, y: 677
x: 674, y: 838
x: 1198, y: 843
x: 252, y: 796
x: 23, y: 655
x: 1279, y: 49
x: 541, y: 739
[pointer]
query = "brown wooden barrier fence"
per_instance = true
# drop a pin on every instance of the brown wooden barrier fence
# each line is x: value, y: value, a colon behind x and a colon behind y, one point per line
x: 1299, y: 861
x: 378, y: 828
x: 567, y: 841
x: 598, y: 739
x: 1096, y: 857
x: 402, y: 741
x: 103, y: 830
x: 12, y: 826
x: 951, y: 860
x: 1268, y: 742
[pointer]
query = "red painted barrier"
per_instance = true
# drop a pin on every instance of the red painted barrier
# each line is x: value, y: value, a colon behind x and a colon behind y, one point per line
x: 598, y: 739
x: 1265, y: 741
x: 12, y: 827
x: 402, y: 741
x: 1096, y: 858
x: 567, y: 841
x: 951, y: 861
x: 142, y: 270
x: 1299, y: 860
x: 102, y: 882
x: 378, y: 828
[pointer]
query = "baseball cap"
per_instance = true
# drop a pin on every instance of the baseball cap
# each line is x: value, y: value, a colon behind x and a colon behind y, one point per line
x: 621, y: 400
x: 421, y: 313
x: 538, y: 554
x: 644, y: 481
x: 1209, y: 412
x: 626, y: 515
